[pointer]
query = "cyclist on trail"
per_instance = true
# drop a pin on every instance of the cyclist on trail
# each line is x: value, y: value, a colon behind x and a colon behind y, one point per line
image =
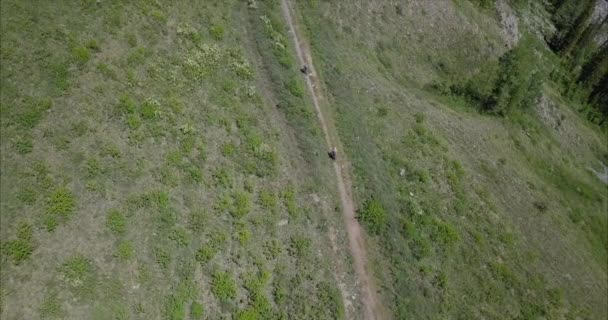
x: 332, y: 153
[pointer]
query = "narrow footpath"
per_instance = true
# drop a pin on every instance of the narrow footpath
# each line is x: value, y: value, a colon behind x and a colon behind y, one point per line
x: 369, y: 297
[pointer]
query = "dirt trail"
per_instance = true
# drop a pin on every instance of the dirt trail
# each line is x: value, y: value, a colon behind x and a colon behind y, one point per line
x: 369, y: 297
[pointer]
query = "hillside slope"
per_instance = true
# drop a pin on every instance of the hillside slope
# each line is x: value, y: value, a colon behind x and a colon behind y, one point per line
x: 165, y: 160
x: 481, y: 215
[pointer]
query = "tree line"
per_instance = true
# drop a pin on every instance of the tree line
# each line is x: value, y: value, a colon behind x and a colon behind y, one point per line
x: 584, y: 53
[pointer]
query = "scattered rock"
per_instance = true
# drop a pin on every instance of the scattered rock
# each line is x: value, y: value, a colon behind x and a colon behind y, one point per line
x: 315, y: 198
x: 282, y: 222
x: 402, y: 172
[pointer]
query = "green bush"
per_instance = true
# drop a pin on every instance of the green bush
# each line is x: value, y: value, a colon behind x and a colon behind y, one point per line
x: 34, y: 113
x: 81, y: 54
x: 21, y: 248
x: 126, y: 104
x: 125, y: 250
x: 23, y: 144
x: 175, y: 305
x: 222, y: 178
x: 242, y: 204
x: 197, y: 220
x: 27, y: 195
x: 268, y: 200
x: 205, y: 253
x: 330, y: 301
x: 51, y: 307
x: 162, y: 257
x: 273, y: 249
x: 196, y: 311
x: 295, y: 87
x: 373, y: 216
x: 300, y: 246
x: 217, y: 32
x: 93, y: 168
x: 116, y: 222
x: 223, y: 286
x: 180, y: 236
x: 78, y: 271
x: 60, y: 205
x: 289, y: 198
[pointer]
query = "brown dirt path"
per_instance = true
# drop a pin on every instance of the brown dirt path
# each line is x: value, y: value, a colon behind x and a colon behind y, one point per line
x: 369, y: 297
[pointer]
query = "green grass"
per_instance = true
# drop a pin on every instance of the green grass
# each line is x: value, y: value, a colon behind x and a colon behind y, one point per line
x: 461, y: 220
x: 21, y: 248
x: 223, y: 286
x: 147, y: 137
x: 196, y: 310
x: 60, y: 207
x: 116, y: 222
x: 125, y: 250
x: 78, y: 272
x: 51, y: 307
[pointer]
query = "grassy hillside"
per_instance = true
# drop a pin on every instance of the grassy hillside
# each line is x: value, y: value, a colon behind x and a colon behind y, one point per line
x: 477, y: 215
x: 147, y: 172
x: 163, y: 160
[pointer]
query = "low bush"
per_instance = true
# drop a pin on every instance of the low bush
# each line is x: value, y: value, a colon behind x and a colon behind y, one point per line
x: 223, y: 286
x: 217, y: 32
x: 196, y: 311
x: 125, y: 250
x: 373, y: 216
x: 21, y: 248
x: 116, y: 222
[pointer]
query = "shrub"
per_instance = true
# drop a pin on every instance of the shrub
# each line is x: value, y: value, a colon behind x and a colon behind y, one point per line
x: 242, y: 204
x: 79, y: 273
x: 150, y: 109
x: 125, y: 250
x: 195, y: 173
x: 247, y: 314
x: 180, y: 236
x: 21, y: 248
x: 295, y: 88
x: 289, y: 197
x: 198, y: 220
x: 444, y: 232
x: 27, y: 195
x: 273, y: 248
x: 228, y: 149
x: 34, y: 113
x: 223, y: 286
x: 81, y: 54
x: 299, y: 246
x: 60, y: 205
x: 162, y: 257
x: 243, y: 235
x: 93, y: 45
x: 204, y: 254
x: 268, y: 200
x: 373, y: 215
x: 196, y: 311
x: 330, y: 300
x: 133, y: 121
x: 126, y: 104
x: 76, y: 269
x: 23, y: 144
x: 93, y: 168
x: 175, y: 305
x: 217, y: 32
x: 116, y: 222
x: 222, y: 178
x: 51, y: 307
